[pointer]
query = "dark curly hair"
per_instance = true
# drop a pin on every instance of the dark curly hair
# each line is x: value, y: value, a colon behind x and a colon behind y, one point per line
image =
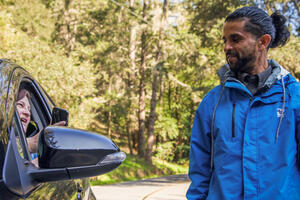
x: 258, y: 22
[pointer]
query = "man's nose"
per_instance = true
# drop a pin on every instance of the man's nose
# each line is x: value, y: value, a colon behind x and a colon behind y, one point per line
x: 227, y: 46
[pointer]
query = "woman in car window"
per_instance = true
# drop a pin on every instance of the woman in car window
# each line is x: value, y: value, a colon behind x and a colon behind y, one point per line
x: 23, y: 109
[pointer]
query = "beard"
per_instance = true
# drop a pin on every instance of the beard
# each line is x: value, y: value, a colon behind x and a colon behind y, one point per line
x: 243, y: 64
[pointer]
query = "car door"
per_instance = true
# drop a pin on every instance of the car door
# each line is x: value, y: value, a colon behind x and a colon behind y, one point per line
x: 41, y: 108
x: 69, y: 189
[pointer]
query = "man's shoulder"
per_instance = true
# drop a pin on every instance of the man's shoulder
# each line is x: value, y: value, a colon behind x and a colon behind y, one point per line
x: 293, y: 88
x: 293, y: 84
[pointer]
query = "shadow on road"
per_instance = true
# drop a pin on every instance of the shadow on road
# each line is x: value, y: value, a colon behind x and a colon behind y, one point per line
x: 160, y: 180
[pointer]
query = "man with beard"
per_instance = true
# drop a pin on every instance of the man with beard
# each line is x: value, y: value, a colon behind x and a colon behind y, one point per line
x: 246, y: 131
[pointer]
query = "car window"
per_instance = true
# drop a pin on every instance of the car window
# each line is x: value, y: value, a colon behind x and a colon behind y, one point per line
x: 20, y: 139
x: 31, y: 117
x: 47, y: 98
x: 2, y: 154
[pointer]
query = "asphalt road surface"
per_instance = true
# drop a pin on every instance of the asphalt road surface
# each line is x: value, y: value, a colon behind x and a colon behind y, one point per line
x: 163, y: 188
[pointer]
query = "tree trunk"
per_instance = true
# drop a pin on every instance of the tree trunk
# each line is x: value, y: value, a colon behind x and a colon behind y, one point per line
x: 141, y: 133
x: 66, y: 28
x: 131, y: 82
x: 151, y: 139
x: 109, y: 107
x: 159, y: 58
x: 141, y: 139
x: 161, y: 89
x: 129, y: 138
x: 169, y: 95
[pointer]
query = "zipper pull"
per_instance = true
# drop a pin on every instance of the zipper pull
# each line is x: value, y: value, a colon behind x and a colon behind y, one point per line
x: 233, y: 120
x: 251, y: 100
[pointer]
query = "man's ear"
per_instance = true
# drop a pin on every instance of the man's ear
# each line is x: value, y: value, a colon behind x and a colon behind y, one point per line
x: 264, y: 41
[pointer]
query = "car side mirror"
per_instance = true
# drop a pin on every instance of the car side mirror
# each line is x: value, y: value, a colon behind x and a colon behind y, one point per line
x: 66, y: 153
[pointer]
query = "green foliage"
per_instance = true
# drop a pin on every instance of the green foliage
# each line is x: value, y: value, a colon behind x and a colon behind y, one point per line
x: 134, y: 168
x: 165, y: 151
x: 206, y: 14
x: 288, y: 56
x: 68, y: 81
x: 167, y: 128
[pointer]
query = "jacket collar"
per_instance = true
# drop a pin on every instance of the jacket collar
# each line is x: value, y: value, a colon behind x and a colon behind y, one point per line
x: 226, y: 75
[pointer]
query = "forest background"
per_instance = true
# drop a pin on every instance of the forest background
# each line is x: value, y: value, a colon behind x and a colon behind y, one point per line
x: 134, y: 71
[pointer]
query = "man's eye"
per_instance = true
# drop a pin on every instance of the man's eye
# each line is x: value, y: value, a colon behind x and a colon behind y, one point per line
x: 235, y: 40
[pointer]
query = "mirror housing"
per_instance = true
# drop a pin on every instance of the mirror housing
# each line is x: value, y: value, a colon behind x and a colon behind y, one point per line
x: 66, y: 147
x: 66, y: 153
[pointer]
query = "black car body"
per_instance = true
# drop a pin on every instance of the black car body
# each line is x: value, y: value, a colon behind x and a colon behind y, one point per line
x: 66, y: 156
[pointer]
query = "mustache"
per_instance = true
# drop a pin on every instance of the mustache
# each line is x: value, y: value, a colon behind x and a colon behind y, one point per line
x: 231, y: 53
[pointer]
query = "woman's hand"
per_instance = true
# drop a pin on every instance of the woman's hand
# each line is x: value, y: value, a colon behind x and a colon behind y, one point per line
x: 61, y: 123
x: 33, y: 141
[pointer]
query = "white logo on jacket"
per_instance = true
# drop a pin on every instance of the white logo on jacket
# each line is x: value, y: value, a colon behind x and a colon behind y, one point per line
x: 280, y: 112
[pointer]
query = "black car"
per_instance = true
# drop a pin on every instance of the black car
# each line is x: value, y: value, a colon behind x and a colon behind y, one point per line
x: 66, y: 156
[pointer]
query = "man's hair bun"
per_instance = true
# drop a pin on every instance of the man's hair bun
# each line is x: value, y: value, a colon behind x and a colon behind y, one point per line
x: 282, y: 33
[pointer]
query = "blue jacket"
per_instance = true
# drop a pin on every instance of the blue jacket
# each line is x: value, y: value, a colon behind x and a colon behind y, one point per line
x: 255, y: 141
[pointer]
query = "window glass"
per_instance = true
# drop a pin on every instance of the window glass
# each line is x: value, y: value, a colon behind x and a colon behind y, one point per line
x: 33, y: 116
x: 20, y: 139
x: 2, y: 156
x: 48, y: 99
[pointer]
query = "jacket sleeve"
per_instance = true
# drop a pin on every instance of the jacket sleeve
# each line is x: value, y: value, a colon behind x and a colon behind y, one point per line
x: 298, y: 133
x: 199, y: 164
x: 297, y: 113
x: 295, y: 95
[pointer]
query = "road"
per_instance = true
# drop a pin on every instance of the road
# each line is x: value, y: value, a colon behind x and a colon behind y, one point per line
x: 163, y: 188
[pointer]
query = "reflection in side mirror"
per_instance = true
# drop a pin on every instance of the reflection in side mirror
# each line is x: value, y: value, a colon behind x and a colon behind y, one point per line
x: 59, y: 114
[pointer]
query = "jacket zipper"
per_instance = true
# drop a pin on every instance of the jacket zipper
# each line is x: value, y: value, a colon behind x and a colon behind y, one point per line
x: 233, y: 121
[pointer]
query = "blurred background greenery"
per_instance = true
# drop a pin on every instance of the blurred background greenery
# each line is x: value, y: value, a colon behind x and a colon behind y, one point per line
x: 134, y: 71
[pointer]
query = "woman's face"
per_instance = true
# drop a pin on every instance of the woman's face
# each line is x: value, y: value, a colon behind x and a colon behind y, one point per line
x: 23, y: 108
